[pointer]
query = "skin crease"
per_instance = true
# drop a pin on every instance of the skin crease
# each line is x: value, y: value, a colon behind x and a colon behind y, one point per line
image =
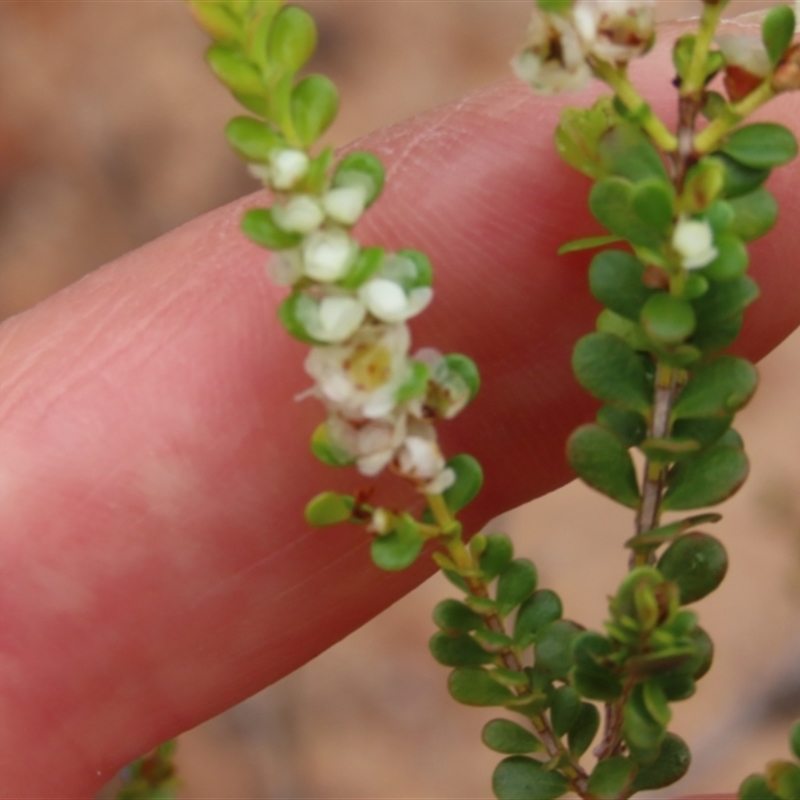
x: 154, y: 565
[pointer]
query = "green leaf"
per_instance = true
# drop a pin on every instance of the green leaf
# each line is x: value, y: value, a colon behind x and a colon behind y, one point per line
x: 582, y: 733
x: 669, y: 766
x: 553, y: 648
x: 399, y: 549
x: 777, y: 32
x: 652, y: 202
x: 602, y: 460
x: 611, y: 777
x: 706, y: 479
x: 628, y: 425
x: 517, y: 582
x: 719, y: 312
x: 416, y: 384
x: 453, y: 616
x: 467, y: 370
x: 717, y: 389
x: 658, y: 536
x: 762, y: 145
x: 314, y: 102
x: 292, y: 39
x: 564, y: 709
x: 555, y: 6
x: 794, y: 739
x: 754, y: 214
x: 577, y: 136
x: 784, y: 778
x: 642, y: 732
x: 704, y: 183
x: 540, y: 609
x: 611, y: 202
x: 329, y: 508
x: 458, y: 651
x: 608, y: 369
x: 592, y: 677
x: 739, y: 179
x: 668, y: 320
x: 704, y: 431
x: 697, y: 563
x: 522, y: 778
x: 497, y: 555
x: 505, y: 736
x: 259, y: 226
x: 469, y: 479
x: 367, y: 264
x: 668, y: 449
x: 587, y: 243
x: 732, y: 258
x: 656, y: 702
x: 327, y: 451
x: 233, y: 69
x: 630, y: 332
x: 216, y: 20
x: 711, y: 338
x: 361, y: 169
x: 626, y: 151
x: 474, y: 686
x: 252, y: 139
x: 755, y: 787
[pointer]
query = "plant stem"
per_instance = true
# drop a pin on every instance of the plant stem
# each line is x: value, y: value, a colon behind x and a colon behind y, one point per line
x: 470, y: 569
x: 708, y: 139
x: 695, y: 80
x: 617, y: 79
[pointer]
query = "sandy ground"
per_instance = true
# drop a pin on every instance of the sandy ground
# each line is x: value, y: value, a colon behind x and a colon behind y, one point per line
x: 107, y: 141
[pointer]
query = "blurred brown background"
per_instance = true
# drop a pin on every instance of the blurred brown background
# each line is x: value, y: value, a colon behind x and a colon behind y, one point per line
x: 110, y: 134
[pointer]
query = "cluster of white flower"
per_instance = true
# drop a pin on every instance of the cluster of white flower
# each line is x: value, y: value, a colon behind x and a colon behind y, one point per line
x: 560, y: 45
x: 352, y: 304
x: 693, y: 241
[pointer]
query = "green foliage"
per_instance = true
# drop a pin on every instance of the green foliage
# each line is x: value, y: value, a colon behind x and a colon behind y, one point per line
x: 754, y: 214
x: 368, y: 262
x: 582, y: 733
x: 667, y: 319
x: 794, y: 739
x: 553, y: 648
x: 777, y: 32
x: 565, y: 707
x: 539, y: 610
x: 252, y: 139
x: 628, y: 425
x: 602, y: 460
x: 327, y: 451
x: 458, y: 650
x: 467, y: 370
x: 523, y: 778
x: 642, y: 731
x: 732, y: 259
x: 763, y: 145
x: 587, y: 243
x: 509, y: 738
x: 400, y: 548
x: 475, y: 686
x: 608, y: 369
x: 151, y: 777
x: 623, y: 208
x: 361, y: 169
x: 292, y: 39
x: 453, y: 617
x: 329, y: 508
x: 717, y: 389
x: 259, y: 225
x: 668, y: 767
x: 611, y: 778
x: 594, y: 675
x: 497, y: 554
x: 706, y: 479
x: 469, y: 479
x: 314, y: 103
x: 516, y: 583
x: 755, y: 787
x: 738, y: 179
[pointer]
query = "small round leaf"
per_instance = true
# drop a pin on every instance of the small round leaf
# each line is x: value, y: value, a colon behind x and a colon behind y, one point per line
x: 292, y: 38
x: 469, y: 479
x: 361, y: 169
x: 540, y: 609
x: 453, y: 616
x: 717, y: 389
x: 611, y: 777
x: 507, y: 737
x: 667, y: 319
x: 329, y: 508
x: 517, y: 582
x: 697, y: 563
x: 762, y: 145
x: 522, y: 778
x: 706, y: 479
x: 582, y: 733
x: 474, y: 686
x: 669, y: 766
x: 399, y: 549
x: 315, y: 101
x: 458, y: 651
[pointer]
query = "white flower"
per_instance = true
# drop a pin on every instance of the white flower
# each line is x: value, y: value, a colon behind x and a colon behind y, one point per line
x: 346, y: 204
x: 448, y: 393
x: 615, y: 30
x: 301, y: 214
x: 285, y: 267
x: 382, y: 522
x: 441, y: 483
x: 746, y: 52
x: 553, y: 60
x: 372, y: 444
x: 332, y: 319
x: 328, y: 254
x: 360, y: 379
x: 389, y: 302
x: 421, y: 461
x: 693, y: 240
x: 287, y: 167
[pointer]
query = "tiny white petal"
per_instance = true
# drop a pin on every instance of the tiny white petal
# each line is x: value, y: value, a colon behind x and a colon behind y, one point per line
x: 328, y: 255
x: 441, y: 483
x: 285, y: 268
x: 287, y: 168
x: 301, y: 214
x: 346, y: 204
x: 693, y: 240
x: 385, y: 299
x: 339, y: 318
x: 745, y: 51
x: 420, y: 458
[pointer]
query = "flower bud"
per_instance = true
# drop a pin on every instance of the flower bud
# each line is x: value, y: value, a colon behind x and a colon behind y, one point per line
x: 390, y: 302
x: 615, y: 31
x: 345, y: 205
x: 746, y: 63
x: 328, y: 255
x: 287, y: 167
x: 301, y: 214
x: 787, y: 74
x: 693, y: 240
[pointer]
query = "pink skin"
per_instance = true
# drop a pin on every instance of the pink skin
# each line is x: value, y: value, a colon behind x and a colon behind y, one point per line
x: 155, y: 565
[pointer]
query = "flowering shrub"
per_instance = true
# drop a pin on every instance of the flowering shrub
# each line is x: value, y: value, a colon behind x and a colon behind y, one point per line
x: 680, y: 208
